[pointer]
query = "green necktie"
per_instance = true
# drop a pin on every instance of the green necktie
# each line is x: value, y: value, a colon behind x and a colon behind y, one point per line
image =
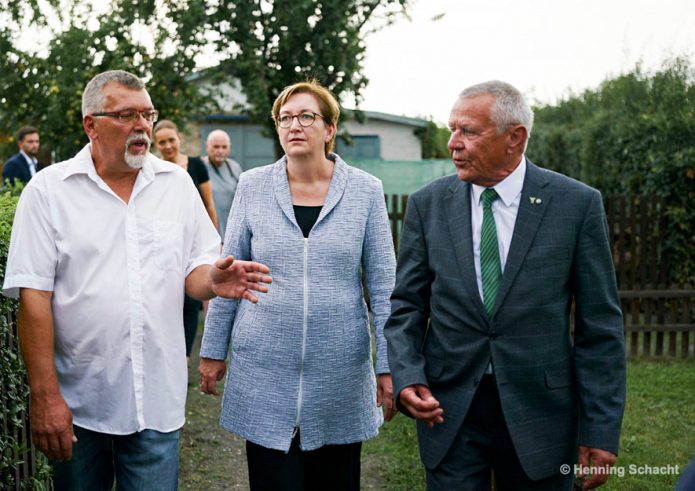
x: 490, y: 268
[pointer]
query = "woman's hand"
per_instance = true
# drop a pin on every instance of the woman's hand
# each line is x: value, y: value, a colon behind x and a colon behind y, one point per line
x: 211, y: 371
x: 384, y: 396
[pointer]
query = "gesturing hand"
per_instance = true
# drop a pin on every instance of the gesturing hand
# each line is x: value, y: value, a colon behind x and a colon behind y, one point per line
x: 421, y: 404
x: 237, y: 279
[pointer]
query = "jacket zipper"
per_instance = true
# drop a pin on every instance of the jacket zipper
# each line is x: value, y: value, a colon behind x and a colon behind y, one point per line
x: 305, y: 326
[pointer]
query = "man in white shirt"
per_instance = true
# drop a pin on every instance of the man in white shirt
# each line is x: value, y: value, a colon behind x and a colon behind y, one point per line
x: 103, y: 247
x: 22, y: 166
x: 224, y: 175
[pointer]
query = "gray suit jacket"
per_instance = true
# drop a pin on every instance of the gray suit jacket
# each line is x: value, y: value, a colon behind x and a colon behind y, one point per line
x: 555, y: 394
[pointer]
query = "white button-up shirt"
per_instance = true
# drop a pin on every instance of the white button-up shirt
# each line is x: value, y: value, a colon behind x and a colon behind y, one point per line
x: 117, y: 273
x: 31, y: 163
x: 504, y: 211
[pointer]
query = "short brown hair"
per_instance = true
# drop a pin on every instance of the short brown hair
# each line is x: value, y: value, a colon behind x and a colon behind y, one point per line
x: 24, y: 131
x: 328, y: 105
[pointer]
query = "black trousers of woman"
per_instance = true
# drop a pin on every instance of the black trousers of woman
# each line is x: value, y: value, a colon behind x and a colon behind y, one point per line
x: 334, y: 467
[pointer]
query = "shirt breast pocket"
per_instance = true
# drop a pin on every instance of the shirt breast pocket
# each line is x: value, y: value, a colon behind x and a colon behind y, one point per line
x: 168, y: 244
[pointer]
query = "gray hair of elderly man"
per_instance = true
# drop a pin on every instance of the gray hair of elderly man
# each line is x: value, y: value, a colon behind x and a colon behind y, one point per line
x: 93, y: 99
x: 221, y: 133
x: 510, y: 107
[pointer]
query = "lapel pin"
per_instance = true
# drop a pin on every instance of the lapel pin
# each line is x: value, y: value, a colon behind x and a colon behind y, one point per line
x: 534, y: 200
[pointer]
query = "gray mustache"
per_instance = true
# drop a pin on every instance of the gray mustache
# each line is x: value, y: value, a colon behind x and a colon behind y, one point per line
x: 136, y: 137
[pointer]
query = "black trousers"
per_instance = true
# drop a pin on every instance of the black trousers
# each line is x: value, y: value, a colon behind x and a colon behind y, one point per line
x: 331, y: 467
x: 191, y: 314
x: 483, y: 444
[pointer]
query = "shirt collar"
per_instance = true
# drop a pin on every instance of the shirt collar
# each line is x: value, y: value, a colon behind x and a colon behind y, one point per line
x: 508, y: 188
x: 82, y: 163
x: 29, y: 160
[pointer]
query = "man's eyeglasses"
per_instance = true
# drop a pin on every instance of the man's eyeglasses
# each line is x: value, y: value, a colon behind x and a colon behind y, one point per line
x: 305, y: 119
x: 130, y: 115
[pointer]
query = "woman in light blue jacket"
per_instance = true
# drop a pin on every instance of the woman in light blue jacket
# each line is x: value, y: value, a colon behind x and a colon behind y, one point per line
x: 301, y: 387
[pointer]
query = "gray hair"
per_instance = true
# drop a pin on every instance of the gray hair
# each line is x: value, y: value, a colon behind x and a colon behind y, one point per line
x: 214, y: 133
x: 93, y: 99
x: 510, y: 107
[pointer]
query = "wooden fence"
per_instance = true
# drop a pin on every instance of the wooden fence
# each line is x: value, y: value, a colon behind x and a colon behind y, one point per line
x: 659, y: 317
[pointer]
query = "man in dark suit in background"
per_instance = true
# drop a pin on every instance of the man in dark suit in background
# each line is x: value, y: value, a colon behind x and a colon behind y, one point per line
x: 23, y: 165
x: 479, y: 341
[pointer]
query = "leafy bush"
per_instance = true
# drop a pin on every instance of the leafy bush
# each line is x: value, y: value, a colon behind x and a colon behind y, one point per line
x: 15, y: 392
x: 635, y: 134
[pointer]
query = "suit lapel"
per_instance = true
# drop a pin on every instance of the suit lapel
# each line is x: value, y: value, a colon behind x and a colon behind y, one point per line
x: 534, y: 201
x: 457, y: 206
x: 281, y: 189
x: 336, y: 188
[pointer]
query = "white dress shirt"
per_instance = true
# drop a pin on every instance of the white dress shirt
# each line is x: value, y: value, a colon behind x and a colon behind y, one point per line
x: 504, y: 211
x: 31, y: 162
x: 117, y: 273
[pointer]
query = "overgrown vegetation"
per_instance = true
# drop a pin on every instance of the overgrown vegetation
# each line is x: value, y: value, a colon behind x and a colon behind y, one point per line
x: 434, y: 139
x: 634, y: 134
x: 15, y: 391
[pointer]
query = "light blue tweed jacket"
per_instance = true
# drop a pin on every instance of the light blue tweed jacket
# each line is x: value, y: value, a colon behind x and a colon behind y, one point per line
x: 302, y: 357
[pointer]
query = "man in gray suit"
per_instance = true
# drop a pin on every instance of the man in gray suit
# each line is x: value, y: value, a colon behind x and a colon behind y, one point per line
x: 491, y: 261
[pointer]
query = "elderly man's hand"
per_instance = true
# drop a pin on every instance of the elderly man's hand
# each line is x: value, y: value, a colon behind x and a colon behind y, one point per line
x: 421, y: 404
x: 595, y: 457
x: 211, y: 371
x: 51, y: 426
x: 237, y: 279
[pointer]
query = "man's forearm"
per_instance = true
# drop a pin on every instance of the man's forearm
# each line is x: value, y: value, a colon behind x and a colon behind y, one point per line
x: 51, y: 419
x: 199, y: 284
x: 36, y: 338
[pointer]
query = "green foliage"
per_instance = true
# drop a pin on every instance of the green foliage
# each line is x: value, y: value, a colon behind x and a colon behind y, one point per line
x: 271, y: 44
x: 434, y: 141
x: 15, y: 392
x: 635, y: 134
x: 44, y: 89
x: 266, y: 45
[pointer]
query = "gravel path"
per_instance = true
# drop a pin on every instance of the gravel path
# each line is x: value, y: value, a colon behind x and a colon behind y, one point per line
x: 213, y: 459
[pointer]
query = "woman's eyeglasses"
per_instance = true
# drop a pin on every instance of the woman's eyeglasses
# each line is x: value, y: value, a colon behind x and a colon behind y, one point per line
x: 305, y: 119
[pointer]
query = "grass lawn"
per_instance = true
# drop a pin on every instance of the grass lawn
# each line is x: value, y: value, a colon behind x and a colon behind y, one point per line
x: 658, y: 430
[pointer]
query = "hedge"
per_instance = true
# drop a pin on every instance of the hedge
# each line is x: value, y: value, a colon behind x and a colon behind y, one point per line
x: 14, y: 400
x: 635, y: 134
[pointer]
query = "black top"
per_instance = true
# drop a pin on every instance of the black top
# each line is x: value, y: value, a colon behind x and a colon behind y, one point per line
x: 197, y: 171
x: 306, y: 217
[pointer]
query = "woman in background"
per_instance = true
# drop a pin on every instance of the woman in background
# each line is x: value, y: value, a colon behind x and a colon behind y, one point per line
x: 301, y: 386
x: 168, y: 142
